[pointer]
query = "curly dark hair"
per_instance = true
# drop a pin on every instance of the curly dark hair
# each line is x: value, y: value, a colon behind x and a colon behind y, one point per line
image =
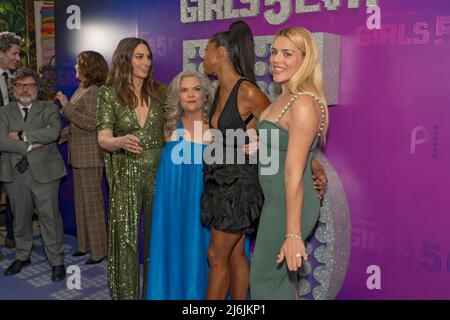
x: 24, y: 72
x: 7, y: 39
x: 92, y: 65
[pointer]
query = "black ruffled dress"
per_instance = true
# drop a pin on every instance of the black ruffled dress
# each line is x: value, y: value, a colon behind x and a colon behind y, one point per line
x: 232, y: 199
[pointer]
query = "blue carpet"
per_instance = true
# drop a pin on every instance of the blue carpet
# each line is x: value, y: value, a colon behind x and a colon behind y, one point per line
x: 33, y: 282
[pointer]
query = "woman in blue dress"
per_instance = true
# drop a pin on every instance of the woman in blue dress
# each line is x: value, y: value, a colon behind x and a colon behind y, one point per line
x: 178, y: 267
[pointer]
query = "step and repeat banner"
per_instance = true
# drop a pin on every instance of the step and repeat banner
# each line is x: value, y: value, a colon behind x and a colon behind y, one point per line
x: 383, y: 231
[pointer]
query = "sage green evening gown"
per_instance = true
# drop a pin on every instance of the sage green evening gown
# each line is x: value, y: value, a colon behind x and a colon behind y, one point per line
x: 269, y: 280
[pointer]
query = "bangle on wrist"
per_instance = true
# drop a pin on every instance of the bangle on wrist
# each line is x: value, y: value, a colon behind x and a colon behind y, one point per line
x: 293, y: 236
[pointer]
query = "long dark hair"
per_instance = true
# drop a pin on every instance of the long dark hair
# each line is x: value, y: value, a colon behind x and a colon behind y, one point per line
x: 94, y: 68
x: 121, y: 74
x: 238, y: 41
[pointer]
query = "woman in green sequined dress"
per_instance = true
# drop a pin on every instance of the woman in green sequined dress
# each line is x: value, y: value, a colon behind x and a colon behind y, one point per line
x: 130, y: 122
x: 291, y: 209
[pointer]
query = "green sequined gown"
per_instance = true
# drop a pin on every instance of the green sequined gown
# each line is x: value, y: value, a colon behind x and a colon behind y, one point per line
x: 268, y: 280
x: 131, y: 181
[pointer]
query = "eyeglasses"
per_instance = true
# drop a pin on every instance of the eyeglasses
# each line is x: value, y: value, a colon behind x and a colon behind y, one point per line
x: 22, y: 86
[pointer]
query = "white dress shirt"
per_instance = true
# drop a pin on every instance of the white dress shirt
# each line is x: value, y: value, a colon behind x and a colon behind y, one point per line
x: 4, y: 86
x: 23, y: 116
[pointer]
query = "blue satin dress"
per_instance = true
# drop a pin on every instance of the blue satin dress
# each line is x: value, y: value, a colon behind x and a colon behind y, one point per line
x: 178, y: 267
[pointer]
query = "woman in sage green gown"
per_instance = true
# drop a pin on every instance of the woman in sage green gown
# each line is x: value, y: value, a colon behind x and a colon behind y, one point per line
x: 130, y: 122
x: 299, y: 117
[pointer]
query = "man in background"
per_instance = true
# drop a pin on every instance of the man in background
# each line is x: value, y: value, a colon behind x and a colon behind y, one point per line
x: 10, y: 45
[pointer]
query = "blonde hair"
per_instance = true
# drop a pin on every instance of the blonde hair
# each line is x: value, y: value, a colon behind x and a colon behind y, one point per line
x: 308, y: 77
x: 173, y: 109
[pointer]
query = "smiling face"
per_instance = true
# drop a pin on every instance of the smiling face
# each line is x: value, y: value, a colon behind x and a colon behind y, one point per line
x: 285, y: 59
x: 192, y: 96
x: 10, y: 58
x: 141, y: 61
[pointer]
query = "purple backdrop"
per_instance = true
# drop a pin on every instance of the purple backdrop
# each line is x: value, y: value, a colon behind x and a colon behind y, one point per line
x: 388, y: 138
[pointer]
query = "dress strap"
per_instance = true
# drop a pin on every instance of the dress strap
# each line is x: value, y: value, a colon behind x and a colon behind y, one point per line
x: 249, y: 118
x: 322, y: 109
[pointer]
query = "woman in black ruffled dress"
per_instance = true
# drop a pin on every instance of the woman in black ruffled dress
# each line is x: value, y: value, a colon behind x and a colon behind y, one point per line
x: 232, y: 199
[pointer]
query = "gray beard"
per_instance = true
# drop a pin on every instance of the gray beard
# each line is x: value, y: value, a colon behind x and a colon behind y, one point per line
x: 25, y: 100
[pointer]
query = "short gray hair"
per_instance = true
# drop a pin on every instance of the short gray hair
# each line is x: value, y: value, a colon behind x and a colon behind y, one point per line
x: 173, y: 109
x: 7, y: 39
x: 21, y: 73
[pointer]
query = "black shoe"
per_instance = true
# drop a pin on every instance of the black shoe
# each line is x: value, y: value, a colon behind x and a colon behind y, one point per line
x: 78, y: 254
x: 58, y: 273
x: 16, y: 267
x: 92, y: 261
